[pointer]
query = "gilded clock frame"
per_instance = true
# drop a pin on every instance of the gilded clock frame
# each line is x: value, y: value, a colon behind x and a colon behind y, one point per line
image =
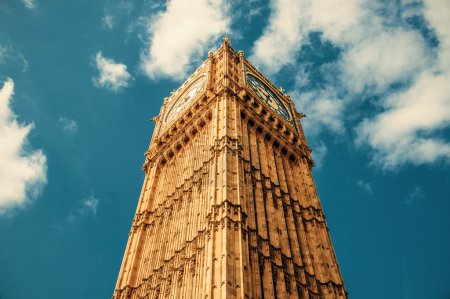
x: 286, y: 105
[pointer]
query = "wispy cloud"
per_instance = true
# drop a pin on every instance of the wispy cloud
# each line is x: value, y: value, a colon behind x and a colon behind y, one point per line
x: 112, y: 75
x: 108, y: 21
x: 319, y: 153
x: 383, y: 58
x: 117, y: 13
x: 30, y: 4
x: 180, y: 34
x: 415, y: 195
x: 8, y: 52
x: 365, y: 186
x: 88, y: 205
x: 69, y: 126
x: 254, y: 11
x: 3, y: 53
x: 25, y: 63
x: 22, y: 172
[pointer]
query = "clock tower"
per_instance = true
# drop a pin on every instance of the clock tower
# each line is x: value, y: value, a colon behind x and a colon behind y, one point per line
x: 228, y: 208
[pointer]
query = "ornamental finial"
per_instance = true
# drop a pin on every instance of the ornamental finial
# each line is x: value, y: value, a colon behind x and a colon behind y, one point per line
x: 226, y: 40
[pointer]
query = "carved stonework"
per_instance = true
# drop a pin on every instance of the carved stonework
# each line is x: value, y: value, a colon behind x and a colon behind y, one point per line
x: 228, y: 208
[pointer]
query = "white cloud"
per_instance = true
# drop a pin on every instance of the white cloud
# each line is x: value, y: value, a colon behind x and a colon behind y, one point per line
x: 378, y: 50
x: 365, y: 186
x: 108, y: 21
x: 375, y: 54
x: 436, y: 12
x: 88, y: 205
x: 288, y: 28
x: 30, y: 4
x: 22, y: 172
x: 319, y: 153
x: 69, y: 126
x: 281, y: 39
x: 323, y: 110
x: 405, y: 131
x: 291, y: 21
x: 180, y: 34
x: 112, y: 75
x: 383, y: 59
x: 338, y: 19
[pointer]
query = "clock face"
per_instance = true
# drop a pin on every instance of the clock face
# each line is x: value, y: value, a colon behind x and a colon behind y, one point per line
x: 267, y: 95
x: 185, y: 98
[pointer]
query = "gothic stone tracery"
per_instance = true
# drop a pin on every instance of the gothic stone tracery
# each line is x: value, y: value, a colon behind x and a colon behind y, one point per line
x: 228, y: 208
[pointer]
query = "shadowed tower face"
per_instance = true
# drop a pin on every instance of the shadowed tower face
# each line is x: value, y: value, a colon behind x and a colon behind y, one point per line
x: 229, y: 208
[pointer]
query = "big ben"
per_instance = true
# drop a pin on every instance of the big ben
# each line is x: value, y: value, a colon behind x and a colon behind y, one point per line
x: 229, y: 208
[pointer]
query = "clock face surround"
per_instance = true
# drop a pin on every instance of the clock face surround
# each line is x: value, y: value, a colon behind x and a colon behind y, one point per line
x: 268, y: 96
x: 185, y: 98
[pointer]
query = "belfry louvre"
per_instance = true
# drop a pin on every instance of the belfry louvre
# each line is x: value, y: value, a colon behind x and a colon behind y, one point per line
x: 229, y: 208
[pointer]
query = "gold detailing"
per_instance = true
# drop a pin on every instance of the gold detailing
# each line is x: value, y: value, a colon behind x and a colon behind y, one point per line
x: 228, y: 208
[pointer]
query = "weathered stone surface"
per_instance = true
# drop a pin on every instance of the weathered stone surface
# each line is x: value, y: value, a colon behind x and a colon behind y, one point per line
x: 228, y: 208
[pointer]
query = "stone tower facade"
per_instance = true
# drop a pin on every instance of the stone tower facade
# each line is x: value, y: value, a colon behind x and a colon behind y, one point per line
x: 229, y: 208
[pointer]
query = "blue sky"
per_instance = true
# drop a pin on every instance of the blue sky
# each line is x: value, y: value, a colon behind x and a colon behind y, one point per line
x: 80, y: 80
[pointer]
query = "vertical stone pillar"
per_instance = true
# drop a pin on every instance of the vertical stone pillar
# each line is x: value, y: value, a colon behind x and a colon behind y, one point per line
x: 229, y: 208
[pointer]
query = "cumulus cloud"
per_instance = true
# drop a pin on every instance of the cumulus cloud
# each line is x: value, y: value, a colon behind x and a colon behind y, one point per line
x: 383, y: 58
x: 112, y: 75
x: 22, y: 171
x: 406, y: 130
x: 338, y: 20
x: 323, y: 109
x: 180, y: 33
x: 281, y: 39
x: 69, y: 126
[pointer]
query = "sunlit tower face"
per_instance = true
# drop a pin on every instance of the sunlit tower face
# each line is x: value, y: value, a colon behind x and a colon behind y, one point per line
x: 228, y: 207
